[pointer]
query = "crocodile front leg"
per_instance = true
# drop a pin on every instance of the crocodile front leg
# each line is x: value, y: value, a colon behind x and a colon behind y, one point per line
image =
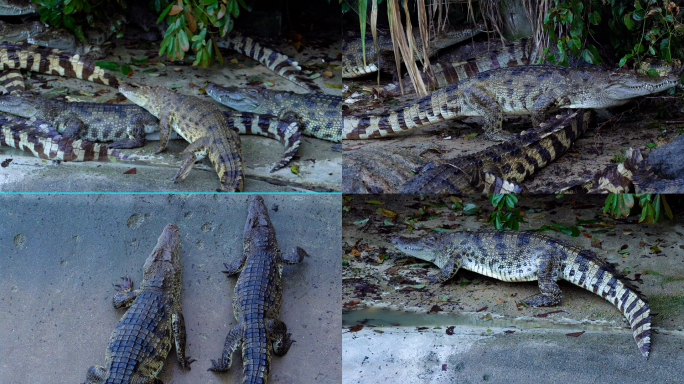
x: 447, y: 272
x: 125, y: 296
x: 164, y: 131
x: 295, y: 257
x: 190, y: 157
x: 96, y: 374
x: 546, y: 103
x: 233, y: 342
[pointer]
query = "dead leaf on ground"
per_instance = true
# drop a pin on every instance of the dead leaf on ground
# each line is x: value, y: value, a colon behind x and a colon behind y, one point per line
x: 356, y: 328
x: 575, y: 334
x: 131, y: 171
x: 450, y: 330
x: 481, y: 309
x: 349, y: 304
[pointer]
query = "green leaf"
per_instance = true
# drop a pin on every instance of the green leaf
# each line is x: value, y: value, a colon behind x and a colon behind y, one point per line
x: 376, y: 202
x: 163, y: 14
x: 183, y: 40
x: 628, y: 21
x: 648, y: 271
x: 361, y: 222
x: 442, y: 230
x: 126, y: 70
x: 112, y: 66
x: 470, y: 209
x: 652, y: 72
x: 418, y: 286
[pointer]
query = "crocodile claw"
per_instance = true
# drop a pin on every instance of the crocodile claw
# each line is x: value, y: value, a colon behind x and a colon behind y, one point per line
x: 126, y: 285
x: 185, y: 363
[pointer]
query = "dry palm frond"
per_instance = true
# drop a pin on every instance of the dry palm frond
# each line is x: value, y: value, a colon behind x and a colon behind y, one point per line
x: 403, y: 47
x: 535, y: 11
x: 492, y: 9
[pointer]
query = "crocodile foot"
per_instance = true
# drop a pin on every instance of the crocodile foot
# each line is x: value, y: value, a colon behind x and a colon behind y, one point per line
x: 185, y: 363
x: 126, y: 286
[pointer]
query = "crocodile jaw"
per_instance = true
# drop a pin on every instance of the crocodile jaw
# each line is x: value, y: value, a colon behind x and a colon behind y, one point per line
x: 233, y: 97
x: 18, y: 106
x: 140, y: 96
x: 626, y: 85
x: 420, y: 248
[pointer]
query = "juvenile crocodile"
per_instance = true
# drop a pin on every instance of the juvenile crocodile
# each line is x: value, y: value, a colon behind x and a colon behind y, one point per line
x: 497, y: 169
x: 201, y: 124
x: 320, y: 114
x: 268, y: 56
x: 535, y: 90
x: 12, y: 81
x: 52, y: 62
x: 17, y: 7
x: 65, y: 40
x: 352, y: 58
x: 40, y: 139
x: 124, y: 124
x: 526, y: 256
x: 153, y: 322
x: 257, y: 299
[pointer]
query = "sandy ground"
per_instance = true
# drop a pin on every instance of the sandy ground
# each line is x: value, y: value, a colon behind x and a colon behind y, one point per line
x: 655, y: 259
x: 319, y: 163
x: 592, y: 152
x: 61, y: 255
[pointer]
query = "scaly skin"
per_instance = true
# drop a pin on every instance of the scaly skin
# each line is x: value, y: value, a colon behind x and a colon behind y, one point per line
x: 124, y: 124
x: 17, y: 7
x: 320, y: 114
x: 257, y: 299
x: 12, y: 81
x: 41, y: 140
x: 500, y: 168
x: 270, y: 57
x: 201, y: 124
x: 496, y: 169
x: 534, y: 90
x: 526, y: 256
x: 143, y: 338
x: 352, y: 59
x: 20, y: 32
x: 52, y: 62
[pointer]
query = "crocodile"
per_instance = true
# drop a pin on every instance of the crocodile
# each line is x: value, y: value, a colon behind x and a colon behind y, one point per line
x: 65, y: 40
x: 523, y: 90
x: 201, y: 124
x: 20, y: 32
x: 153, y: 322
x: 41, y: 140
x: 12, y: 81
x: 319, y: 113
x: 268, y: 56
x: 352, y: 58
x: 52, y: 62
x: 17, y: 7
x: 527, y: 256
x: 257, y: 299
x: 127, y: 124
x: 497, y: 169
x: 121, y: 123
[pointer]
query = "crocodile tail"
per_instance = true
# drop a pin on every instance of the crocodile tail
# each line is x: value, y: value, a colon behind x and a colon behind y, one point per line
x: 285, y: 131
x: 436, y: 107
x: 274, y: 60
x: 52, y: 62
x: 13, y: 81
x: 41, y: 140
x: 603, y: 279
x: 255, y: 356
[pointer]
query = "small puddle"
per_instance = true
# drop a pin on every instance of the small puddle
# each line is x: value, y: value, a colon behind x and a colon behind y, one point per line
x: 393, y: 318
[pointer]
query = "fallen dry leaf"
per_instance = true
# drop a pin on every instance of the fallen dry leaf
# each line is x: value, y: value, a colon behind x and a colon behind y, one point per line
x: 575, y: 334
x: 356, y: 328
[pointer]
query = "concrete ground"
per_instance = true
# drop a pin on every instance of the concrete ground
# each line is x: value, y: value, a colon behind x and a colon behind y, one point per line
x: 61, y: 255
x: 319, y: 163
x: 376, y: 275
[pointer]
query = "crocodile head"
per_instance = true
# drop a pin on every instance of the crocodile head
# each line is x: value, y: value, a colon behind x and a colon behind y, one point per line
x: 240, y: 99
x: 430, y: 247
x: 626, y: 84
x: 146, y: 96
x: 259, y: 232
x: 23, y: 106
x: 162, y: 268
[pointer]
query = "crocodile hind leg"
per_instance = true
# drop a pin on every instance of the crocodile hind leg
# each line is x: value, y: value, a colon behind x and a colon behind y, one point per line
x: 96, y: 374
x: 546, y: 103
x: 125, y: 296
x: 447, y: 272
x: 295, y: 257
x: 233, y: 342
x: 277, y: 330
x: 487, y: 107
x: 235, y: 266
x: 550, y: 292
